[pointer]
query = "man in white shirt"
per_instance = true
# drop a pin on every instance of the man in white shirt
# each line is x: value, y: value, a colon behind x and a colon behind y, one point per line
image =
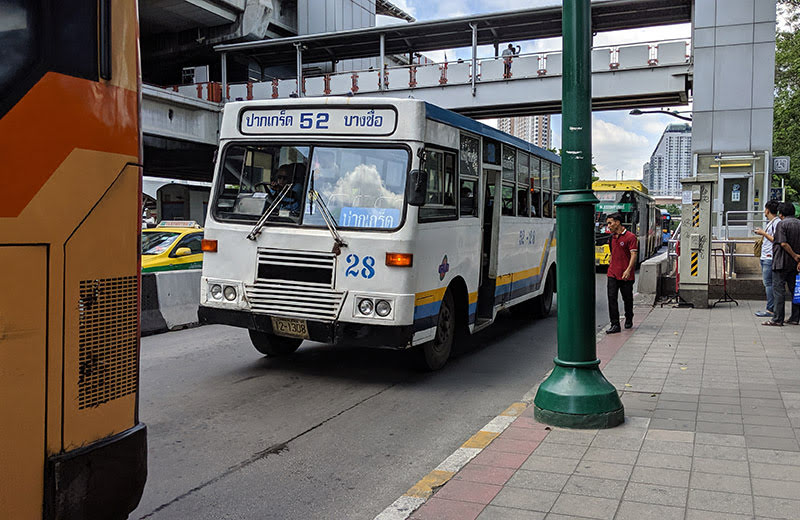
x: 771, y: 215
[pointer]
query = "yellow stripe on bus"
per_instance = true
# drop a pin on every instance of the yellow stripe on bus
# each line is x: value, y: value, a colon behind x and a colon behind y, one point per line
x: 473, y: 297
x: 435, y: 295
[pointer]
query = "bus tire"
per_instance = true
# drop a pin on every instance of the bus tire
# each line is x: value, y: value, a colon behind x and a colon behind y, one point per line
x: 273, y: 346
x: 433, y: 354
x: 543, y: 304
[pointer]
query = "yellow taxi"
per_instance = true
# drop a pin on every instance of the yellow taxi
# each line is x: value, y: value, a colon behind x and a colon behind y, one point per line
x: 173, y: 244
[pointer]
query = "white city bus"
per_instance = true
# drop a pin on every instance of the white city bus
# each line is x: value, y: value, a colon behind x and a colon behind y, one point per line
x: 377, y: 222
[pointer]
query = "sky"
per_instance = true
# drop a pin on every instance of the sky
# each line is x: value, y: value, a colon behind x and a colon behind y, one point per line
x: 621, y: 143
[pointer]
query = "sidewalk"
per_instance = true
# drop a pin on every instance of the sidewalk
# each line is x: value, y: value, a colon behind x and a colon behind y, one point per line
x: 712, y: 411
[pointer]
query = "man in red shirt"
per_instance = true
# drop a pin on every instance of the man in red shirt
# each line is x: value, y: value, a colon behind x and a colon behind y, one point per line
x: 624, y: 249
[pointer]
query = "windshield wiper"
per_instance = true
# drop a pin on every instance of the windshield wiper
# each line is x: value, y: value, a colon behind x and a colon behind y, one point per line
x: 270, y: 210
x: 338, y: 243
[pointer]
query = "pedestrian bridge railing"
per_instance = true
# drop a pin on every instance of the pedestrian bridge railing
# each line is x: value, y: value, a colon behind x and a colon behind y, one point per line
x: 460, y: 72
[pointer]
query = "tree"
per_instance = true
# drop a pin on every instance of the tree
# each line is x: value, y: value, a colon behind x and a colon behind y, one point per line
x: 786, y: 127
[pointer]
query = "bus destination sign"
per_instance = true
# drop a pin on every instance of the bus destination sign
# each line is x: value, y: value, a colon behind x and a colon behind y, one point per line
x: 324, y: 120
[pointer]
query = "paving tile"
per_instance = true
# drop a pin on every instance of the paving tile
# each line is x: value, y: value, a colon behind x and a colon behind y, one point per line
x: 595, y: 487
x: 508, y: 513
x: 764, y: 412
x: 621, y: 443
x: 748, y: 402
x: 697, y: 514
x: 669, y: 435
x: 489, y: 457
x: 525, y: 499
x: 776, y: 488
x: 579, y: 437
x: 719, y: 417
x: 550, y: 464
x: 554, y: 449
x: 720, y: 502
x: 514, y: 445
x: 711, y: 451
x: 465, y: 491
x: 656, y: 494
x: 441, y: 509
x: 720, y: 399
x: 773, y: 456
x: 768, y: 431
x: 775, y: 471
x: 719, y: 408
x: 639, y: 511
x: 775, y: 443
x: 671, y: 396
x: 538, y: 480
x: 721, y: 467
x: 725, y: 428
x: 484, y: 474
x: 719, y: 391
x: 764, y: 420
x: 523, y: 434
x: 720, y: 439
x: 673, y: 424
x: 660, y: 476
x: 669, y: 447
x: 680, y: 415
x: 719, y: 482
x: 777, y: 507
x: 604, y: 470
x: 610, y: 455
x: 585, y: 506
x: 662, y: 460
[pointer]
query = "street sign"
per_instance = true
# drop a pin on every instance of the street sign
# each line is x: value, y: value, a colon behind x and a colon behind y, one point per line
x: 776, y: 194
x: 780, y: 165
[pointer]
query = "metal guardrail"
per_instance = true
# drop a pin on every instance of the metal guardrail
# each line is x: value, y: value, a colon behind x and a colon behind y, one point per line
x: 749, y: 222
x: 726, y: 245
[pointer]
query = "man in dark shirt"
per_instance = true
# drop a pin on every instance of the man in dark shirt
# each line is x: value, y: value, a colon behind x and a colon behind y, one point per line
x: 624, y: 249
x: 785, y: 264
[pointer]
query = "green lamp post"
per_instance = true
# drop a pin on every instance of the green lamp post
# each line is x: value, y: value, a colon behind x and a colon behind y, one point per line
x: 577, y: 395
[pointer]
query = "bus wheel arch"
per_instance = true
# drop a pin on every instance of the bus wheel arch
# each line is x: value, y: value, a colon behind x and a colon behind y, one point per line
x: 458, y: 288
x: 433, y: 355
x: 543, y: 304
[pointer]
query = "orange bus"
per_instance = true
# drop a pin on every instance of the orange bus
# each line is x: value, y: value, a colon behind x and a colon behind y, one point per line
x: 71, y: 443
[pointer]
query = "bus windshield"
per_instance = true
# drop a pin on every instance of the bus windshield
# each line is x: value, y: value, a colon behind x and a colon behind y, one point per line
x: 362, y: 187
x: 622, y: 202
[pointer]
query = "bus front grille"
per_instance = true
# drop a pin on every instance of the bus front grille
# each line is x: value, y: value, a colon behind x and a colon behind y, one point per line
x: 292, y: 300
x: 310, y: 268
x: 295, y: 284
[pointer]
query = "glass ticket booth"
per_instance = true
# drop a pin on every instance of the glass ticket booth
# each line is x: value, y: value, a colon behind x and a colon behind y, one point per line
x: 738, y: 198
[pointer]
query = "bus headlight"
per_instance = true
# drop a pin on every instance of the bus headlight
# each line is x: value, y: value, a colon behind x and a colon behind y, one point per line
x: 365, y: 306
x: 216, y: 291
x: 383, y: 308
x: 230, y: 293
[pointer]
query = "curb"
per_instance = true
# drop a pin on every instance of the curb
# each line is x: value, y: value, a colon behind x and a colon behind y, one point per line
x: 424, y: 489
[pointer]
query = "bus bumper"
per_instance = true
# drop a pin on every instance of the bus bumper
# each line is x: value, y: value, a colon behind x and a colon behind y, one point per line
x: 101, y: 480
x: 355, y: 334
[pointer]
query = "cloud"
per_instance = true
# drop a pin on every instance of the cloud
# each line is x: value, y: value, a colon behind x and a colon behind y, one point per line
x: 615, y: 148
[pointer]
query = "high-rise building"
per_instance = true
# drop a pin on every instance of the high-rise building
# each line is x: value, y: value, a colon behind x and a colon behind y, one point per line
x: 647, y: 178
x: 671, y: 160
x: 534, y: 129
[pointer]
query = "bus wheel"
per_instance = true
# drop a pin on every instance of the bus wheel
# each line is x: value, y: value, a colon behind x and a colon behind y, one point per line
x: 272, y: 345
x: 434, y: 354
x: 543, y: 303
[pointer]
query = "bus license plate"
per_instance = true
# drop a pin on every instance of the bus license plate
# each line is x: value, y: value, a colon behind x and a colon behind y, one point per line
x: 290, y: 328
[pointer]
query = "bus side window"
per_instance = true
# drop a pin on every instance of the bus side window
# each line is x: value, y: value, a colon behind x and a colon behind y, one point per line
x: 441, y: 200
x: 547, y: 197
x: 536, y: 187
x: 468, y: 190
x: 507, y: 199
x: 523, y: 184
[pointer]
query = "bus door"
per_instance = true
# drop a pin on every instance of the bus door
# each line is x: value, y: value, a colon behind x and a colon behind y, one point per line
x: 490, y: 241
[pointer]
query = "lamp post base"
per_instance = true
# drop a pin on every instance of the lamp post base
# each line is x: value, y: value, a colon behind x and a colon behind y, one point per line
x: 578, y: 397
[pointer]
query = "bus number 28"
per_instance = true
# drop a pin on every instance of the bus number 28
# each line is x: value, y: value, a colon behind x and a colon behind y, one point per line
x: 354, y: 270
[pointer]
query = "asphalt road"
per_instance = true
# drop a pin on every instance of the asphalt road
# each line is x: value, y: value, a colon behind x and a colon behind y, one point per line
x: 331, y: 432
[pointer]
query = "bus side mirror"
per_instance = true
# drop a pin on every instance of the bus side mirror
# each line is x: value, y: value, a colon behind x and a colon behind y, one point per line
x: 417, y: 188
